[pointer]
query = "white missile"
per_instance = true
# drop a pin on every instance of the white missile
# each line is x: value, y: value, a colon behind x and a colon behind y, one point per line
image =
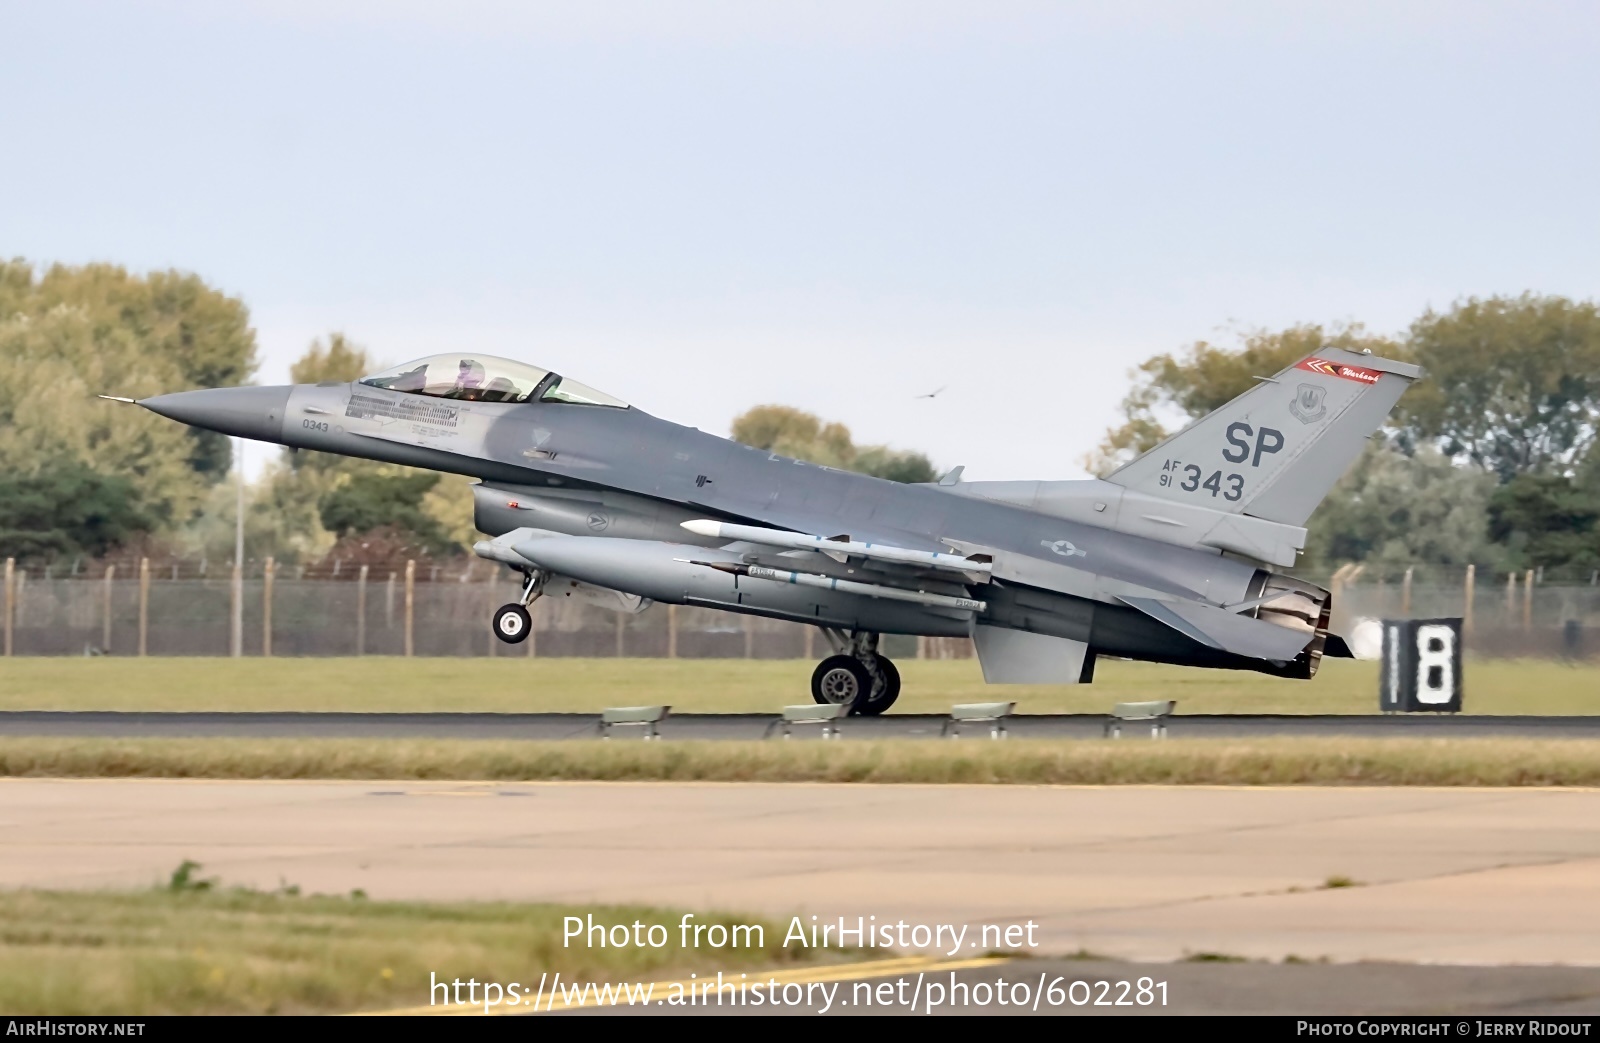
x: 834, y: 548
x: 847, y: 586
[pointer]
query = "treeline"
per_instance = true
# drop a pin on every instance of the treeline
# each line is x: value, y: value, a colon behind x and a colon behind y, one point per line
x: 79, y: 476
x: 1491, y: 460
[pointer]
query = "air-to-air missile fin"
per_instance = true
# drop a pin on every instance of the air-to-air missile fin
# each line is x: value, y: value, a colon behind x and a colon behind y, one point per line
x: 1276, y: 450
x: 1221, y: 629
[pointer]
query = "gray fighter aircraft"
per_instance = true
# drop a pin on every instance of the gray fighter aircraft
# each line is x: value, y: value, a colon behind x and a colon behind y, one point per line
x: 1172, y: 559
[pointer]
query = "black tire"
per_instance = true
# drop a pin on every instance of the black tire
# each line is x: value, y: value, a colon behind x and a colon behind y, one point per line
x: 512, y: 624
x: 891, y: 689
x: 841, y: 680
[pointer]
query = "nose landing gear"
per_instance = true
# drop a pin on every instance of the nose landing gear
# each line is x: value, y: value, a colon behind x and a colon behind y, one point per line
x: 512, y: 624
x: 857, y: 676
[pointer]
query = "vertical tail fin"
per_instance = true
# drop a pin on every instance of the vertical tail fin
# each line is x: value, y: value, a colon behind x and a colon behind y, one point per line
x: 1276, y: 450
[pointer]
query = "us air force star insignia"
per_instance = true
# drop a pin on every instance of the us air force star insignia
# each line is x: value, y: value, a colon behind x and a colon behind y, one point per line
x: 1064, y: 548
x: 1307, y: 406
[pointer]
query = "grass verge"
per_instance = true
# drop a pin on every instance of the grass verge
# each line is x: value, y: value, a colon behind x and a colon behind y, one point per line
x: 200, y: 950
x: 506, y: 685
x: 1247, y: 762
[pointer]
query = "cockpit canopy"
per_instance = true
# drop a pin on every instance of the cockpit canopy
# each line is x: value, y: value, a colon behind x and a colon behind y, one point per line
x: 484, y: 378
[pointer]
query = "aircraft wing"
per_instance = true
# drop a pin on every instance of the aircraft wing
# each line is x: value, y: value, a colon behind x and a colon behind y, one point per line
x: 1218, y: 628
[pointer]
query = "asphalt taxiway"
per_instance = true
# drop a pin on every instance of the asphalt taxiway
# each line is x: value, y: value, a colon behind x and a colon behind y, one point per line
x: 115, y: 724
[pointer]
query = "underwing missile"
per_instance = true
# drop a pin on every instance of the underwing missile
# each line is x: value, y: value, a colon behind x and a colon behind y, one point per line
x: 848, y: 586
x: 835, y: 548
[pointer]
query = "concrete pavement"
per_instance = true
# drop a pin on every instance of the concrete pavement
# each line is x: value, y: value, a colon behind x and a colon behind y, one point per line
x: 1461, y: 876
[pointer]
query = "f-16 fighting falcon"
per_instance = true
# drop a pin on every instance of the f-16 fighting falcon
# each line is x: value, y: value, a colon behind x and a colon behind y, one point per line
x: 1170, y: 559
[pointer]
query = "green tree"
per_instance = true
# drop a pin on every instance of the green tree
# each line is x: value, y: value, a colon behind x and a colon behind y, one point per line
x: 340, y: 360
x: 368, y: 502
x: 1513, y: 383
x: 167, y: 325
x: 1547, y: 521
x: 75, y: 332
x: 65, y: 509
x: 1397, y: 509
x: 895, y: 465
x: 795, y: 433
x: 1188, y: 385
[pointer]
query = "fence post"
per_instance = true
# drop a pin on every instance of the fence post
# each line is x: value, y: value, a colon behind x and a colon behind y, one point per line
x: 236, y: 611
x: 361, y: 611
x: 111, y: 572
x: 268, y: 571
x: 622, y: 621
x: 1470, y: 593
x: 411, y: 583
x: 11, y: 600
x: 672, y: 631
x: 811, y: 642
x: 1527, y: 601
x: 144, y: 606
x: 493, y: 586
x: 1336, y: 584
x: 749, y: 638
x: 533, y: 629
x: 1405, y: 592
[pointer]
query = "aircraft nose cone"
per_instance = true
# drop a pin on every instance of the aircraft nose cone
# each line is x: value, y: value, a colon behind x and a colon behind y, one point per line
x: 249, y: 412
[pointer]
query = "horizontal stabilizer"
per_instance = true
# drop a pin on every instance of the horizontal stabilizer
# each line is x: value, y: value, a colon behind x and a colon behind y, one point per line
x: 1220, y: 629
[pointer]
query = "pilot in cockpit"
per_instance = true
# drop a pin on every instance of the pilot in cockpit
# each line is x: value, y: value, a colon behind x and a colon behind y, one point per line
x: 469, y: 380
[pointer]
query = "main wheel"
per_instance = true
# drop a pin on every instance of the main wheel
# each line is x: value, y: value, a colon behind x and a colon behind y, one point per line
x: 512, y: 624
x: 840, y: 680
x: 882, y: 700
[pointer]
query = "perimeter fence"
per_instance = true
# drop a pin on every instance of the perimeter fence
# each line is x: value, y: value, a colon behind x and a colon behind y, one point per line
x: 138, y: 607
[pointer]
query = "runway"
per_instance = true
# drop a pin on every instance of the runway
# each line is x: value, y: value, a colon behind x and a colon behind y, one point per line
x: 1299, y: 990
x: 110, y: 724
x: 1450, y: 876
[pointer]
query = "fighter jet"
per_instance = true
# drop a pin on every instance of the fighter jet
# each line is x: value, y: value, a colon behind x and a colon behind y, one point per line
x: 1174, y: 558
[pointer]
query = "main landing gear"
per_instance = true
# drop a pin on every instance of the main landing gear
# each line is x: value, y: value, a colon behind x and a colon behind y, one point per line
x: 512, y: 624
x: 857, y: 676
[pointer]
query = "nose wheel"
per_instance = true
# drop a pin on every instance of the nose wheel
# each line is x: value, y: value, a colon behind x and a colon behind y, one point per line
x: 512, y: 623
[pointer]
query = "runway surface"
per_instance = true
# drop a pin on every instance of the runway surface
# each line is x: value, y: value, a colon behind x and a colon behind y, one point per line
x: 1454, y: 876
x: 754, y: 726
x: 1073, y: 987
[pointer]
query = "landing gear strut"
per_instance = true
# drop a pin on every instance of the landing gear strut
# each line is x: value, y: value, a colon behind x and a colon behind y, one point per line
x: 512, y: 624
x: 857, y: 676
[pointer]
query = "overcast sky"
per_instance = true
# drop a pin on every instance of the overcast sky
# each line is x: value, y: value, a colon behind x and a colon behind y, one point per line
x: 701, y: 206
